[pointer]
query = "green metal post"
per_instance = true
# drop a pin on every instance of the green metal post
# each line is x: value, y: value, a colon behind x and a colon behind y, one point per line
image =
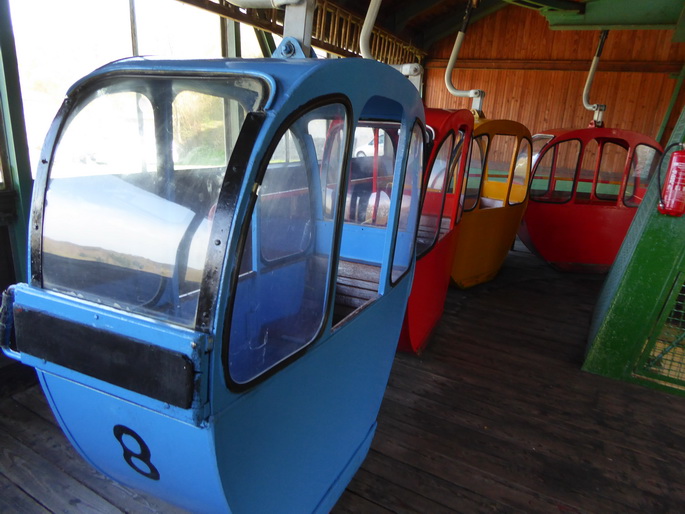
x: 671, y: 104
x: 617, y: 15
x: 14, y: 134
x: 639, y: 293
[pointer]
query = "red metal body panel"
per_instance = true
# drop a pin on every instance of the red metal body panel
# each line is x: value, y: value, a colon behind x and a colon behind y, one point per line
x: 427, y: 297
x: 432, y: 272
x: 576, y: 237
x: 585, y: 231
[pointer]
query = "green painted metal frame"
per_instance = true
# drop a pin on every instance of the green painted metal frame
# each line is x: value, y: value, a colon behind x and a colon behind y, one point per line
x: 13, y: 134
x: 618, y: 14
x: 638, y: 292
x: 566, y: 5
x: 671, y: 104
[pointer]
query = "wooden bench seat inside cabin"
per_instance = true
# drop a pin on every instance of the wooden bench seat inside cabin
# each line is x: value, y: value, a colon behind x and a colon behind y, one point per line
x: 357, y: 285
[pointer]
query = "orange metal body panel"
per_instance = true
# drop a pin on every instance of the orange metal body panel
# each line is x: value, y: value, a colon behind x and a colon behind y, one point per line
x: 487, y: 232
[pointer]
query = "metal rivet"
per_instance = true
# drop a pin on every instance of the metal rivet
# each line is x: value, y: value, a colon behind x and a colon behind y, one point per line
x: 288, y: 49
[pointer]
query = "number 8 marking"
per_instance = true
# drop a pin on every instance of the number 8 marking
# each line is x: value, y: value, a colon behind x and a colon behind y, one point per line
x: 143, y: 454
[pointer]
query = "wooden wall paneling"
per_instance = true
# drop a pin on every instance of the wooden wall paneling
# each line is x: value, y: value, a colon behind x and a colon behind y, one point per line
x: 546, y: 70
x: 533, y: 40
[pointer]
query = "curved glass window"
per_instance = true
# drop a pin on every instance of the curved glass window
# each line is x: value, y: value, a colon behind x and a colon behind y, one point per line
x: 519, y: 179
x: 612, y: 165
x: 474, y: 172
x: 409, y: 206
x: 498, y: 170
x: 454, y: 197
x: 539, y: 141
x: 642, y: 167
x: 371, y: 174
x: 555, y: 172
x: 133, y: 188
x: 587, y: 172
x: 279, y: 304
x: 431, y: 211
x: 367, y: 206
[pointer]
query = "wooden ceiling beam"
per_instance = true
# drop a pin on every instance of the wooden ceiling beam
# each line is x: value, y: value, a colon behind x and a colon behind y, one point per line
x: 559, y: 65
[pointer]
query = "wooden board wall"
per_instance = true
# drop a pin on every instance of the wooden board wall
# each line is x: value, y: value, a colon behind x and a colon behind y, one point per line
x: 536, y: 75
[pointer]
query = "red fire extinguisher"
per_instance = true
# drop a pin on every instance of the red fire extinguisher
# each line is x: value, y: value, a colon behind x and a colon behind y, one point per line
x: 673, y: 191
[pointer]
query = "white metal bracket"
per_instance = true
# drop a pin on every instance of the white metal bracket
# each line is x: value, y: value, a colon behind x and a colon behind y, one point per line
x: 297, y: 24
x: 598, y: 109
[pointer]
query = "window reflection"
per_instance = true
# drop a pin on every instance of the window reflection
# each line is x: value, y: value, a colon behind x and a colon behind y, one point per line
x: 474, y: 172
x: 642, y: 168
x: 280, y: 303
x: 404, y: 245
x: 431, y: 212
x: 133, y: 189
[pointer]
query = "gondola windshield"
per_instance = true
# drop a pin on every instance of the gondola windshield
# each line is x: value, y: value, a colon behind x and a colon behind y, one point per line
x: 133, y: 188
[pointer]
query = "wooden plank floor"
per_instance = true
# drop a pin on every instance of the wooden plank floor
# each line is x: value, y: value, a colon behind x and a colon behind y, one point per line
x: 494, y: 416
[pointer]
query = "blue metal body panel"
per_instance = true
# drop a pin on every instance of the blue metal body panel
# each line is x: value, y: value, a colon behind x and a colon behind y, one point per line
x: 300, y: 429
x: 291, y: 441
x: 182, y: 453
x: 110, y: 320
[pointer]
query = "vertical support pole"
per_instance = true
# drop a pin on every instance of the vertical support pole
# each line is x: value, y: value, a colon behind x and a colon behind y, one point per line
x: 134, y: 27
x: 477, y: 95
x: 265, y: 41
x: 230, y: 37
x: 597, y: 108
x: 230, y: 48
x: 13, y: 133
x: 367, y: 29
x: 671, y: 104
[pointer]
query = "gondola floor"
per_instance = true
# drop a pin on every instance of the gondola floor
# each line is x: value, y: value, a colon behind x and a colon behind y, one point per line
x: 495, y: 415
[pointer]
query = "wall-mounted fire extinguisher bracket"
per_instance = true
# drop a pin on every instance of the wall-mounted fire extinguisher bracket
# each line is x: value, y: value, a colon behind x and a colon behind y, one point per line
x: 672, y: 198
